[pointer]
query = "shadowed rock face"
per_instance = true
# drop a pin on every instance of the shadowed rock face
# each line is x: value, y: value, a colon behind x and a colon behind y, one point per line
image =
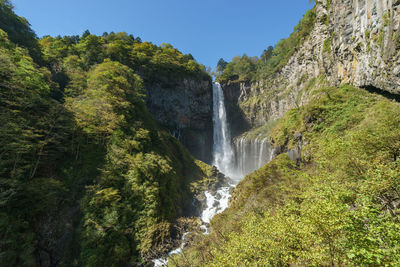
x: 235, y: 116
x: 185, y: 109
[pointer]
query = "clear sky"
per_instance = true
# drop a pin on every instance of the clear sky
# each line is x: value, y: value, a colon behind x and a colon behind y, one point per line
x: 208, y: 29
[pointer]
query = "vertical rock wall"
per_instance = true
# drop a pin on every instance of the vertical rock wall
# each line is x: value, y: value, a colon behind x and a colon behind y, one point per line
x: 353, y: 41
x: 186, y: 111
x: 366, y: 43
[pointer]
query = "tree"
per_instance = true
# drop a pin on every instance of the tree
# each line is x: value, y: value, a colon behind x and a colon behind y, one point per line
x: 91, y: 49
x: 221, y: 66
x: 18, y: 30
x: 86, y: 34
x: 106, y: 103
x: 267, y: 54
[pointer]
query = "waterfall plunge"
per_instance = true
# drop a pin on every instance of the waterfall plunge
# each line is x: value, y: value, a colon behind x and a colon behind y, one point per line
x: 223, y: 157
x: 246, y: 156
x: 234, y: 162
x: 222, y: 148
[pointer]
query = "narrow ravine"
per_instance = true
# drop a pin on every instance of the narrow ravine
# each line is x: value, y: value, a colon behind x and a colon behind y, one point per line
x: 234, y: 159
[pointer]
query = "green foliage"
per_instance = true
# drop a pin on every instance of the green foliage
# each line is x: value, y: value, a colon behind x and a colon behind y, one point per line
x: 267, y: 54
x: 260, y: 132
x: 90, y: 48
x: 328, y: 4
x: 367, y: 33
x: 380, y: 38
x: 327, y: 45
x: 18, y: 30
x: 338, y: 207
x: 386, y: 17
x: 241, y: 68
x: 155, y: 64
x: 33, y: 128
x: 221, y: 65
x: 286, y: 48
x: 142, y: 189
x: 111, y: 91
x: 87, y: 177
x: 73, y: 68
x: 326, y: 19
x: 396, y: 39
x: 282, y: 129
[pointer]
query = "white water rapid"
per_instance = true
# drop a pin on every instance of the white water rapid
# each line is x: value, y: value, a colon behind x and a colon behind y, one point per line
x: 234, y: 162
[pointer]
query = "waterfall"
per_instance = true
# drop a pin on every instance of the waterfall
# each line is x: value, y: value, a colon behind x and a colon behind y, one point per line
x: 260, y: 156
x: 223, y: 157
x: 222, y: 147
x: 234, y: 162
x: 246, y: 156
x: 250, y: 155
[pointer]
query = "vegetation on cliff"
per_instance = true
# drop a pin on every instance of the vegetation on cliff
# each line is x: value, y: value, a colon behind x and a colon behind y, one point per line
x: 245, y: 68
x: 87, y: 177
x: 339, y: 206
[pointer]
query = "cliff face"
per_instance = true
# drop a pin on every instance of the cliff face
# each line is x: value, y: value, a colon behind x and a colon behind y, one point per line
x: 366, y: 43
x: 353, y: 41
x: 186, y: 110
x: 236, y: 118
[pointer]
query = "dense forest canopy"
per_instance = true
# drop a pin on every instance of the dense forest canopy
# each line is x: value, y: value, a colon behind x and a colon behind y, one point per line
x: 87, y: 177
x: 18, y: 30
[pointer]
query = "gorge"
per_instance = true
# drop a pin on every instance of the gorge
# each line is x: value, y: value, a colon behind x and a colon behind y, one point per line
x: 233, y: 159
x: 310, y: 204
x: 119, y: 152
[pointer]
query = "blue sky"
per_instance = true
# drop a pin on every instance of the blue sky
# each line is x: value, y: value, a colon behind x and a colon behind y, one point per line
x: 208, y: 29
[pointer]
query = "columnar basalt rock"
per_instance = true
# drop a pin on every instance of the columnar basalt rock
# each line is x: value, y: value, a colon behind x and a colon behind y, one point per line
x: 366, y: 43
x: 353, y: 41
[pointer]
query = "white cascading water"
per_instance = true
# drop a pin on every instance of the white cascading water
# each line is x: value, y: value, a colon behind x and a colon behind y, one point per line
x: 235, y: 163
x: 250, y: 155
x: 223, y: 157
x: 222, y: 148
x: 164, y: 261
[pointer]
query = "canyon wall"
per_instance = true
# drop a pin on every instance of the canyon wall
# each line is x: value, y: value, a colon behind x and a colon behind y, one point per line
x: 353, y: 42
